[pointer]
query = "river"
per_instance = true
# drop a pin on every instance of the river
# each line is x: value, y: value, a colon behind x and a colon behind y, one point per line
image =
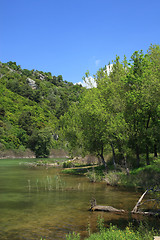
x: 36, y: 202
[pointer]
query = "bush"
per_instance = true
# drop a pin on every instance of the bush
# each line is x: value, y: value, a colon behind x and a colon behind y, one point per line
x: 112, y: 178
x: 94, y: 176
x: 68, y: 164
x: 113, y: 233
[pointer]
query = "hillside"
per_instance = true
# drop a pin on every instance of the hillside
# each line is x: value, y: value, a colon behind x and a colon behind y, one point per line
x: 31, y: 103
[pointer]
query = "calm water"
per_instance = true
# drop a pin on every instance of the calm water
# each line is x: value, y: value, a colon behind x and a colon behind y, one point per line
x: 40, y: 202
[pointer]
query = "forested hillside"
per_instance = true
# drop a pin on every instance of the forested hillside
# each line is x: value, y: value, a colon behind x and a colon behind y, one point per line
x: 31, y: 103
x: 122, y: 114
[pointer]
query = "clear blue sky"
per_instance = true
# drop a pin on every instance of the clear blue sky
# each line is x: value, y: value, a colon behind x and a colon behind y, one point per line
x: 69, y: 37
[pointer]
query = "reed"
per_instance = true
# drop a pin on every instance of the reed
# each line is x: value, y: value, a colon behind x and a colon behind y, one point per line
x: 29, y: 185
x: 48, y: 184
x: 37, y: 185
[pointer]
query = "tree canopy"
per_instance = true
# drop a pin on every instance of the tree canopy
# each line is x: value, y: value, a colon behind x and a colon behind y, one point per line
x: 30, y: 102
x: 122, y: 113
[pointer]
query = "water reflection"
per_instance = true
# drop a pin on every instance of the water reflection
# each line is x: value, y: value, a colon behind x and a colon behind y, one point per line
x: 41, y: 202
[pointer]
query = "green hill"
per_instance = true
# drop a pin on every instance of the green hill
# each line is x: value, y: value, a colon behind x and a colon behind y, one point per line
x: 31, y: 103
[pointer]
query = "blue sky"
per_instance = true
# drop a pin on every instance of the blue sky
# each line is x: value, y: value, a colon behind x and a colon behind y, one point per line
x: 69, y: 37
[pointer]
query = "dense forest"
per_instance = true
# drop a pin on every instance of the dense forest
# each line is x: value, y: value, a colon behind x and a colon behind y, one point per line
x: 31, y: 103
x: 121, y: 115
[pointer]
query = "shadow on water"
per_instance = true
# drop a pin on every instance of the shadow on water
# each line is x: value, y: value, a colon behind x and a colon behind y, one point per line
x: 40, y: 202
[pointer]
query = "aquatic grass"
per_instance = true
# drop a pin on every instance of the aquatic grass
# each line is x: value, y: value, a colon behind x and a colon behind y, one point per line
x: 37, y: 185
x: 89, y: 228
x: 100, y: 224
x: 49, y: 183
x: 59, y: 183
x: 29, y: 185
x: 73, y: 236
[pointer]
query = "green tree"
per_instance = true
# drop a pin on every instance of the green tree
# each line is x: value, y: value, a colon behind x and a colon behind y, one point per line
x: 142, y: 102
x: 41, y: 142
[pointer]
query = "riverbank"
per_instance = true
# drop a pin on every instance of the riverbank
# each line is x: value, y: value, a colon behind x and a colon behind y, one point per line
x: 27, y: 153
x: 129, y: 233
x: 139, y: 178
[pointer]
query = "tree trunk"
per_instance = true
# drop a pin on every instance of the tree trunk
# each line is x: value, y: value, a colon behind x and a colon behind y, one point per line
x: 137, y: 155
x: 103, y: 161
x: 102, y: 158
x: 114, y: 156
x: 147, y: 147
x: 99, y: 160
x: 155, y: 150
x: 147, y: 155
x: 125, y: 164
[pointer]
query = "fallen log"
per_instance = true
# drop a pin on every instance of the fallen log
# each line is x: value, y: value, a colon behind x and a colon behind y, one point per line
x: 136, y: 210
x: 95, y: 207
x: 106, y: 209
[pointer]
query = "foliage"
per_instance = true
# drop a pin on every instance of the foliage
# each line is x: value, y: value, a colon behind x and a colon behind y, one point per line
x: 68, y: 164
x: 120, y: 115
x: 143, y: 177
x: 129, y: 234
x: 73, y: 236
x: 95, y: 175
x: 41, y: 142
x: 143, y: 232
x: 31, y: 101
x: 112, y: 178
x: 75, y: 171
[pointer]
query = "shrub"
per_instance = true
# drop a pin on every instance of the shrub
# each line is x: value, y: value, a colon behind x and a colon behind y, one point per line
x: 68, y: 164
x: 113, y: 233
x: 112, y: 178
x: 94, y: 176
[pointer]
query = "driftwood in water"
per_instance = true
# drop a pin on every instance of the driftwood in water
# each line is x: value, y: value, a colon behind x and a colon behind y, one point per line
x: 149, y: 213
x: 135, y: 209
x: 156, y: 212
x: 95, y: 207
x: 106, y: 209
x: 139, y: 203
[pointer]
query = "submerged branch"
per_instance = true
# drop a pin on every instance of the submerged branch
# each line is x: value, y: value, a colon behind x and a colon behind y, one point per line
x: 135, y: 209
x: 152, y: 212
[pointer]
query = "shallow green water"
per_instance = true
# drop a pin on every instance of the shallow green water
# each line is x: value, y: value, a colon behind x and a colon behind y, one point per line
x: 39, y: 202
